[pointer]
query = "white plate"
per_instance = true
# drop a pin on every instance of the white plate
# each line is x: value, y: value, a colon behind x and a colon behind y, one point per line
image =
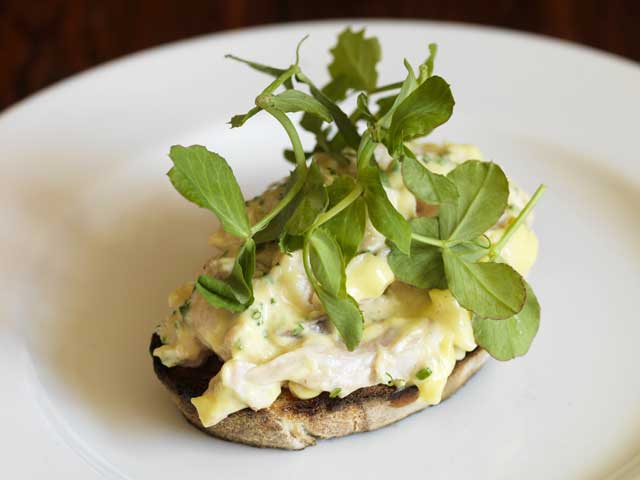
x: 94, y: 237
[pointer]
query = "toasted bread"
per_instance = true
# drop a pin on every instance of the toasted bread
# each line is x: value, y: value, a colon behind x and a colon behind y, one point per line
x: 293, y: 424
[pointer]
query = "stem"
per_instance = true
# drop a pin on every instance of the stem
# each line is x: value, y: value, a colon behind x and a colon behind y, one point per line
x: 430, y: 241
x: 384, y: 88
x: 292, y: 70
x: 301, y: 168
x: 365, y: 151
x: 522, y: 216
x: 352, y: 196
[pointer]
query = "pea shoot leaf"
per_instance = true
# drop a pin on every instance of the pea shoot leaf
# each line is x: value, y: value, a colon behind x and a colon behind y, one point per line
x: 483, y: 191
x: 235, y: 293
x: 490, y: 290
x: 427, y: 186
x: 239, y: 120
x: 346, y: 316
x: 327, y: 262
x: 409, y: 84
x: 329, y: 282
x: 426, y: 69
x: 355, y: 58
x: 313, y: 201
x: 383, y: 215
x: 427, y: 107
x: 335, y: 90
x: 363, y: 108
x: 205, y: 178
x: 510, y: 338
x: 276, y: 226
x: 347, y: 227
x: 345, y: 126
x: 424, y: 268
x: 385, y: 104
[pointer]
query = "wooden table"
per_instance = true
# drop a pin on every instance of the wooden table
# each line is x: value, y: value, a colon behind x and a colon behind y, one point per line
x: 43, y: 41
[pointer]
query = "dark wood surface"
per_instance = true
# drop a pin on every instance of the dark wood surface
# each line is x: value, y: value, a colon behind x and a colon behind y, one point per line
x: 43, y: 41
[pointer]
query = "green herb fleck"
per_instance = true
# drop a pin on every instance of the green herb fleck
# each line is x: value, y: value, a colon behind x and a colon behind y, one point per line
x: 335, y: 392
x: 297, y: 331
x: 424, y: 373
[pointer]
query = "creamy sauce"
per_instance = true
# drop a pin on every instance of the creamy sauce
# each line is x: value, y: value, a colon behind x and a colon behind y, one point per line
x: 284, y: 339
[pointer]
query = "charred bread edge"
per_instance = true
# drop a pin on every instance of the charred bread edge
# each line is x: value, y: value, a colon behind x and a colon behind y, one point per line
x: 293, y: 424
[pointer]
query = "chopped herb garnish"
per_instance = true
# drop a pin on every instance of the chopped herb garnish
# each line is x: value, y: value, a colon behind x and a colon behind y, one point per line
x: 272, y: 301
x: 423, y: 373
x: 297, y: 331
x: 335, y: 392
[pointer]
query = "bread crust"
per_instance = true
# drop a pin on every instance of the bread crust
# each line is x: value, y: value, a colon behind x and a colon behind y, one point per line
x: 293, y: 424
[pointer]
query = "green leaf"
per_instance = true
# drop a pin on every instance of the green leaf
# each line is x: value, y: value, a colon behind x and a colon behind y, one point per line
x: 426, y: 226
x: 510, y: 338
x: 327, y: 262
x: 206, y: 179
x: 185, y: 188
x: 297, y: 101
x: 346, y: 316
x: 235, y: 293
x: 470, y: 251
x: 276, y: 226
x: 337, y: 88
x: 385, y: 104
x: 348, y: 226
x: 290, y: 156
x: 290, y: 243
x: 483, y: 192
x: 312, y: 201
x: 245, y: 264
x: 427, y: 186
x: 409, y: 84
x: 491, y: 290
x: 329, y: 281
x: 427, y: 107
x: 363, y: 108
x: 383, y: 215
x: 239, y: 120
x: 335, y: 91
x: 355, y: 57
x: 345, y: 127
x: 219, y: 294
x: 272, y: 71
x: 424, y: 268
x: 426, y: 69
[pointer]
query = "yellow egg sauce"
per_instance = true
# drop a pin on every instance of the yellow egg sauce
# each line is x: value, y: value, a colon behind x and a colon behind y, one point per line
x: 284, y: 340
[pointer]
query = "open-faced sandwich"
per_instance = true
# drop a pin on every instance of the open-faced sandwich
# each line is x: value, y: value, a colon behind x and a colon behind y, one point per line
x: 371, y: 283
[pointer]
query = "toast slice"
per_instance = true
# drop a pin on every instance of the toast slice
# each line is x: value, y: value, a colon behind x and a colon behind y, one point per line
x: 293, y: 424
